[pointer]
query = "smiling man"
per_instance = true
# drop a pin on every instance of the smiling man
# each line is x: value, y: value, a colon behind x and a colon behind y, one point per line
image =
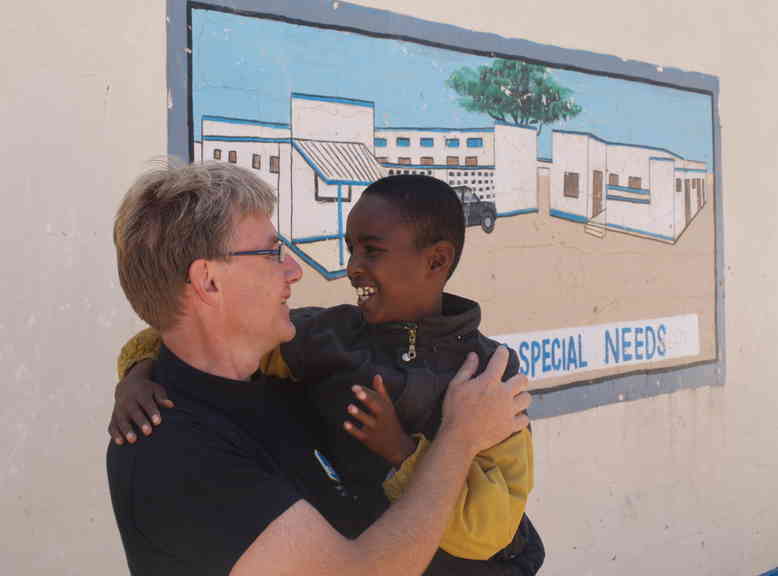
x: 214, y: 491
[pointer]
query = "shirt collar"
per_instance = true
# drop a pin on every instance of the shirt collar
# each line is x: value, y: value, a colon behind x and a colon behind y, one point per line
x: 222, y: 393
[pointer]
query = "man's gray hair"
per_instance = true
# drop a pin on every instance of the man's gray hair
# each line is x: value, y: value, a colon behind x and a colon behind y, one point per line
x: 173, y: 215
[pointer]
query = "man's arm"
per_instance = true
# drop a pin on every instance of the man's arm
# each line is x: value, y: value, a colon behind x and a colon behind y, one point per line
x: 477, y: 413
x: 489, y: 508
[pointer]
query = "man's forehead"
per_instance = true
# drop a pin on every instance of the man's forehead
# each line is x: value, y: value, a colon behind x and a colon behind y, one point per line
x: 257, y: 228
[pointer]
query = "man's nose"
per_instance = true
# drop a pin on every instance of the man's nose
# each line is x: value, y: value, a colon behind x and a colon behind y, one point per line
x: 293, y: 269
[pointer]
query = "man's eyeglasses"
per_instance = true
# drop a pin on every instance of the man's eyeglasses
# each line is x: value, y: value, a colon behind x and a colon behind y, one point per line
x: 279, y: 253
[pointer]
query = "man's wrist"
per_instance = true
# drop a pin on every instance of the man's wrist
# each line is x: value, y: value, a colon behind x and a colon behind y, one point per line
x: 457, y: 439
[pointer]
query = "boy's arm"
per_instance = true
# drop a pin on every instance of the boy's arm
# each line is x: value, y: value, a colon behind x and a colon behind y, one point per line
x: 144, y: 345
x: 492, y: 502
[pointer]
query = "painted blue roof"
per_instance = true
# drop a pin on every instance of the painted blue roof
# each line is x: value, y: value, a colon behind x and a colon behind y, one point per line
x: 245, y: 121
x: 431, y: 129
x: 335, y: 99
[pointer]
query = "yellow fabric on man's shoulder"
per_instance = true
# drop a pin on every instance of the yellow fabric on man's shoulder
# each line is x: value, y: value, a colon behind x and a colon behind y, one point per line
x: 144, y: 345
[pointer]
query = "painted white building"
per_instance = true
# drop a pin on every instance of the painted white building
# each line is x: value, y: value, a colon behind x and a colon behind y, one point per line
x: 497, y: 163
x: 642, y: 190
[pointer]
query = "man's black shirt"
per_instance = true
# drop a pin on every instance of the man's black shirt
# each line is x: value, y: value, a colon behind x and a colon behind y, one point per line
x: 227, y: 460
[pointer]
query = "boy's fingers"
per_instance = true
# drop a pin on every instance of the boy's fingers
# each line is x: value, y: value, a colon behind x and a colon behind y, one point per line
x: 366, y: 419
x: 137, y: 416
x: 355, y: 432
x: 113, y: 431
x: 125, y: 428
x: 467, y: 370
x: 378, y: 384
x: 160, y: 395
x: 369, y: 398
x: 496, y: 366
x: 150, y: 408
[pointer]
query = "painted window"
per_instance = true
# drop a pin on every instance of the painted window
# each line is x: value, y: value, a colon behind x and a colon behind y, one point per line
x: 232, y: 157
x: 452, y: 160
x: 381, y: 159
x: 404, y: 160
x: 475, y: 142
x: 427, y: 142
x: 256, y: 161
x: 403, y: 142
x: 571, y: 184
x: 427, y: 160
x: 275, y: 164
x: 379, y: 142
x: 217, y: 154
x: 452, y: 142
x: 634, y: 182
x: 321, y: 196
x: 613, y: 179
x: 471, y: 160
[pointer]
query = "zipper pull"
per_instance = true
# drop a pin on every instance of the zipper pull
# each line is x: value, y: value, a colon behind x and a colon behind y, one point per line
x: 410, y: 355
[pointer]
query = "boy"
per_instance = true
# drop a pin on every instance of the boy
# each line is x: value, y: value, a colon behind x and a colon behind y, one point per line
x: 405, y: 236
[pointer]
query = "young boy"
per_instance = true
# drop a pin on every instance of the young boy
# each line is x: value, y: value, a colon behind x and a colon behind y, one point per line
x: 405, y: 236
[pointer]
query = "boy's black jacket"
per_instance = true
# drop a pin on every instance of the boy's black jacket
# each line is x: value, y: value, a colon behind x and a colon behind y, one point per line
x: 335, y: 348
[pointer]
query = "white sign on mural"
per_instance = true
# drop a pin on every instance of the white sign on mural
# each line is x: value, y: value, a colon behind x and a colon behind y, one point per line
x: 550, y: 353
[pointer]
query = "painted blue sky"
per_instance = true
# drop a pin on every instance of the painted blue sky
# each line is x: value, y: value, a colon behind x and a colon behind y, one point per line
x: 247, y: 67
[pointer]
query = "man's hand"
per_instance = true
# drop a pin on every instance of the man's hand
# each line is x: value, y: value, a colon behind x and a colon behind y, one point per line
x: 381, y: 430
x: 482, y: 410
x: 136, y: 400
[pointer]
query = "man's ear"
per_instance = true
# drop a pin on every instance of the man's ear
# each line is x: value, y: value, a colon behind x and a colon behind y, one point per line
x: 441, y: 258
x: 203, y: 281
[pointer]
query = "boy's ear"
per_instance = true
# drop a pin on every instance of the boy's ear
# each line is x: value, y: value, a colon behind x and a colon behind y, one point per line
x: 441, y: 257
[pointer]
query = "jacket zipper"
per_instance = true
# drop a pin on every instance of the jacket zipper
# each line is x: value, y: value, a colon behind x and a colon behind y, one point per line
x: 410, y: 354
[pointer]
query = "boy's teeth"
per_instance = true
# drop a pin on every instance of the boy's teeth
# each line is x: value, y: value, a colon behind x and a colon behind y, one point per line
x: 364, y: 292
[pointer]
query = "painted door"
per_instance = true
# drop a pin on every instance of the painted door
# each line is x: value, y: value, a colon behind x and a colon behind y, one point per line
x: 687, y: 201
x: 597, y: 193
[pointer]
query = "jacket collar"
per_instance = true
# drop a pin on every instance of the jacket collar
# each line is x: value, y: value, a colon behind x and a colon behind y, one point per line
x: 460, y: 318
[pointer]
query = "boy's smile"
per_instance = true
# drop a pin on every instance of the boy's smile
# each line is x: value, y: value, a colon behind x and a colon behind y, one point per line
x: 391, y: 275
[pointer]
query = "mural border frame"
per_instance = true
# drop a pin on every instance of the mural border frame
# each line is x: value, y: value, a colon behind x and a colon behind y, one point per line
x: 574, y: 397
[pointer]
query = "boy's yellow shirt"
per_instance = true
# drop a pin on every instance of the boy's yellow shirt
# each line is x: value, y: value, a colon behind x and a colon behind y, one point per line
x: 489, y: 507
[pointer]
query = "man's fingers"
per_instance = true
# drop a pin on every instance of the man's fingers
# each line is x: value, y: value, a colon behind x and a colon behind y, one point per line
x: 521, y: 402
x: 355, y: 432
x: 367, y: 420
x: 137, y: 416
x: 520, y: 422
x: 467, y: 370
x: 496, y: 366
x: 518, y: 383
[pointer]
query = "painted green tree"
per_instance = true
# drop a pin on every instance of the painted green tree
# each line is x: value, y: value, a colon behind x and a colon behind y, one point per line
x: 514, y: 92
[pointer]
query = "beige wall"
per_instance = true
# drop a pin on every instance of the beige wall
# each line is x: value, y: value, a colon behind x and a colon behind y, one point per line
x: 676, y: 484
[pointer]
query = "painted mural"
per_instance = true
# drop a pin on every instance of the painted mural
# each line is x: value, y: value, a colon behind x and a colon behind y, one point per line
x: 588, y: 198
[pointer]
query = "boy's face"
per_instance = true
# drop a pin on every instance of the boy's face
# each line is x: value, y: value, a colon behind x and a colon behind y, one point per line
x: 391, y: 275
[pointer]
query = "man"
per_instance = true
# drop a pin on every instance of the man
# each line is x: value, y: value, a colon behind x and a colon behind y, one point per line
x: 224, y: 487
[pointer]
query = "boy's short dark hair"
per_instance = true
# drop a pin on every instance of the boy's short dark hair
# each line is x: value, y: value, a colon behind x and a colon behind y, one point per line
x: 430, y: 205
